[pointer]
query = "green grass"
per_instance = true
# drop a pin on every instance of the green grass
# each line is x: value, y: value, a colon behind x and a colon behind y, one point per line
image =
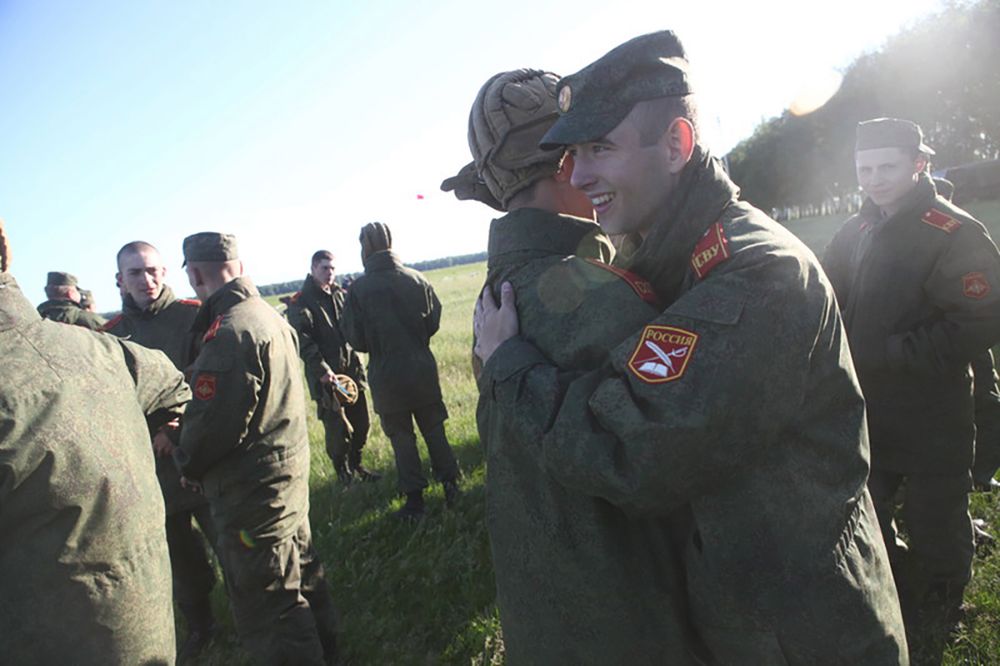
x: 424, y: 594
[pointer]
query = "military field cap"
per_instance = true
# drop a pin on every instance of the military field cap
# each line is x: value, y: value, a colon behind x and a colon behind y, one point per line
x: 4, y: 250
x: 596, y: 99
x: 210, y: 246
x: 891, y: 133
x: 509, y: 116
x: 60, y: 279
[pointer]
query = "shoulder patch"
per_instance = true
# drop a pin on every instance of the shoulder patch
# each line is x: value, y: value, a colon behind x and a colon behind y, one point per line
x: 204, y: 387
x: 940, y: 220
x: 190, y: 301
x: 112, y: 323
x: 975, y: 286
x: 641, y: 287
x: 711, y: 250
x: 662, y: 354
x: 213, y: 330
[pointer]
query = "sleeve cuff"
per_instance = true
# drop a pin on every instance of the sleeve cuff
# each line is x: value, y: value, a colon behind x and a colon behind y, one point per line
x: 510, y: 358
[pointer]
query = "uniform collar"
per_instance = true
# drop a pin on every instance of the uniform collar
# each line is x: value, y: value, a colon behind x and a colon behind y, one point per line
x: 539, y: 232
x: 381, y: 261
x: 232, y: 293
x: 916, y: 202
x: 15, y: 310
x: 166, y: 297
x: 314, y: 291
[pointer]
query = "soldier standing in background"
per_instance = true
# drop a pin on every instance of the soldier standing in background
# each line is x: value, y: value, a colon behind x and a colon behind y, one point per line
x: 153, y: 317
x: 918, y: 280
x: 63, y: 302
x: 87, y: 300
x: 390, y: 313
x: 315, y: 312
x: 554, y: 548
x: 244, y: 444
x: 84, y: 570
x: 738, y: 400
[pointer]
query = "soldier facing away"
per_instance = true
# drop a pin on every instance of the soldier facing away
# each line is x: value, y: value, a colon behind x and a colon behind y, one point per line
x: 738, y: 400
x: 63, y: 304
x: 918, y: 280
x: 315, y: 312
x: 84, y: 570
x: 244, y: 444
x: 555, y: 548
x: 153, y: 317
x: 390, y: 313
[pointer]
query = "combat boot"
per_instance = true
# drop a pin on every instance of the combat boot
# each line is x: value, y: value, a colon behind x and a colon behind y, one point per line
x: 413, y: 510
x: 451, y: 492
x: 365, y: 474
x: 344, y: 475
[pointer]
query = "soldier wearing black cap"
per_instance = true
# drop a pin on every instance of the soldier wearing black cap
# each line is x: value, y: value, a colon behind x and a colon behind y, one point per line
x: 63, y: 302
x: 244, y: 443
x: 390, y: 313
x: 918, y: 280
x: 738, y: 400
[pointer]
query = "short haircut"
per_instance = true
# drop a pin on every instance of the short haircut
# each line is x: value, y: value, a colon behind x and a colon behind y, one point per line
x: 320, y: 255
x: 135, y: 247
x: 653, y: 117
x: 60, y: 291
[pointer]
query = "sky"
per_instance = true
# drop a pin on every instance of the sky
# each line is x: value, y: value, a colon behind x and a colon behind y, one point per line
x: 292, y: 124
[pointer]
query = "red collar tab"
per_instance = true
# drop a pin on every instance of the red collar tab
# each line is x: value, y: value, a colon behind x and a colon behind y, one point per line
x: 213, y: 330
x: 641, y: 287
x: 111, y: 324
x: 711, y: 250
x: 942, y: 221
x: 189, y: 301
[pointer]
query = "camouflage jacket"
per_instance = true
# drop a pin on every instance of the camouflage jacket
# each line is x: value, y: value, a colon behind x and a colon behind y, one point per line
x: 68, y: 312
x: 578, y: 581
x: 164, y: 325
x: 920, y: 293
x: 390, y: 313
x: 244, y: 433
x: 84, y: 570
x: 740, y: 400
x: 315, y: 315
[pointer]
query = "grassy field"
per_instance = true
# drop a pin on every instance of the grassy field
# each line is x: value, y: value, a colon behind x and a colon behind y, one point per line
x: 424, y: 594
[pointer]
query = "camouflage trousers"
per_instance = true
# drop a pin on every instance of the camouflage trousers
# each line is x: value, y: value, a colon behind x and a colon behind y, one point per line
x: 343, y: 447
x: 398, y: 427
x: 192, y: 573
x: 987, y: 442
x: 280, y: 601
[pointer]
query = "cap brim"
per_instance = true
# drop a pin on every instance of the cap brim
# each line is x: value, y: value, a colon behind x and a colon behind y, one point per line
x: 579, y: 127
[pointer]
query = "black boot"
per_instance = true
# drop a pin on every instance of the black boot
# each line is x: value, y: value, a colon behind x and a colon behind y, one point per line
x: 365, y: 474
x: 201, y: 629
x: 451, y: 492
x: 343, y: 473
x: 413, y: 510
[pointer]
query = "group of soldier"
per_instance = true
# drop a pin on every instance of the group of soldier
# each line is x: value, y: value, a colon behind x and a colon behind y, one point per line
x: 207, y: 393
x: 697, y: 435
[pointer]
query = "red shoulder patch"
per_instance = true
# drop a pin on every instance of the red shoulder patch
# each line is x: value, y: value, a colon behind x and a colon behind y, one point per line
x: 204, y: 388
x: 213, y: 330
x: 641, y: 287
x: 942, y: 221
x: 190, y: 301
x: 662, y: 354
x: 975, y: 285
x: 112, y: 323
x: 711, y: 250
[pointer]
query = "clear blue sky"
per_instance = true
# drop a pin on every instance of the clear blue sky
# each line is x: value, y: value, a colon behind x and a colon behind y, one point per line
x: 292, y: 124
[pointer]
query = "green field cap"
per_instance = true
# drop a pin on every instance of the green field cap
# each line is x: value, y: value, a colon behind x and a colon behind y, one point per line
x: 210, y: 246
x: 60, y: 279
x: 891, y: 133
x: 596, y: 99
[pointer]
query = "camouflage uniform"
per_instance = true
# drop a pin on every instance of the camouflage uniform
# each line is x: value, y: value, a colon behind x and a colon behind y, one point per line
x: 166, y: 325
x: 244, y: 437
x: 84, y: 570
x: 68, y: 312
x: 390, y: 313
x: 920, y: 292
x: 315, y: 315
x: 578, y: 581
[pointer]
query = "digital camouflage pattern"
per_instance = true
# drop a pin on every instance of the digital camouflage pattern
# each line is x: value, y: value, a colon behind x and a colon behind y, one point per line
x: 244, y: 437
x: 68, y: 312
x: 578, y: 580
x: 84, y: 572
x: 750, y: 413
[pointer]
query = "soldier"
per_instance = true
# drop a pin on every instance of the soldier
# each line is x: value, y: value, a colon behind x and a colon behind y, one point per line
x: 87, y: 300
x: 153, y: 317
x: 244, y: 444
x: 554, y: 548
x: 315, y: 312
x: 918, y: 280
x: 390, y: 313
x: 84, y: 571
x: 63, y: 302
x: 738, y: 399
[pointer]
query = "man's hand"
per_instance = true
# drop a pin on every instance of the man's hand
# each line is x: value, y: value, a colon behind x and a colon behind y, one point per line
x: 328, y: 378
x: 194, y: 486
x: 162, y: 446
x: 492, y: 325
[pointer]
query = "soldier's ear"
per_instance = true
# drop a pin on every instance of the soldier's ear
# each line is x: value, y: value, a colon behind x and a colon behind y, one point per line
x: 679, y: 139
x: 118, y: 280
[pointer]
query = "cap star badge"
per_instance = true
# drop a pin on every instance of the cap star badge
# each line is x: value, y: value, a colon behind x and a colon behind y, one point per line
x: 565, y: 98
x: 662, y: 354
